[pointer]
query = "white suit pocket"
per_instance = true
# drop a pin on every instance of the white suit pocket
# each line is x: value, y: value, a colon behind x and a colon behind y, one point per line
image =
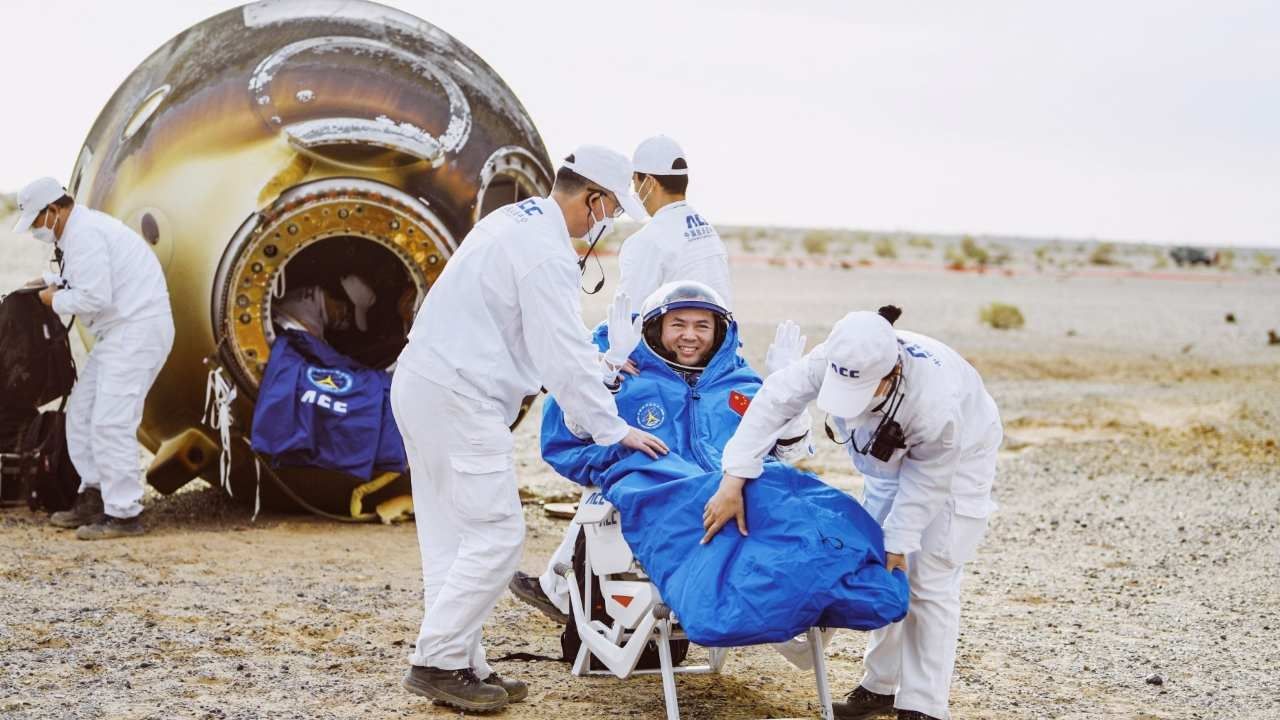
x: 964, y: 536
x: 484, y: 487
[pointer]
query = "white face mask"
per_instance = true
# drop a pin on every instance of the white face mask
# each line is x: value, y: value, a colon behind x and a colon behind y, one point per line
x: 599, y: 227
x: 644, y: 198
x: 869, y: 416
x: 45, y: 234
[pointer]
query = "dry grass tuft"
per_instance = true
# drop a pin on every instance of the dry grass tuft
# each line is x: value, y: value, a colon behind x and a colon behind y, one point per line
x: 1002, y: 316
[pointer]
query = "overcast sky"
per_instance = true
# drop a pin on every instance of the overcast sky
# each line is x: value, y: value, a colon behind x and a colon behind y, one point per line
x: 1153, y: 120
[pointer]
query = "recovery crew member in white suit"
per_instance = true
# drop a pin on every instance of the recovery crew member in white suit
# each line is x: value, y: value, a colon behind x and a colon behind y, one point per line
x: 503, y: 320
x: 922, y: 429
x: 677, y: 244
x: 112, y: 282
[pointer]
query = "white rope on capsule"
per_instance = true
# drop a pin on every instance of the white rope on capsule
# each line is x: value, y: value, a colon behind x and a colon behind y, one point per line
x: 218, y: 396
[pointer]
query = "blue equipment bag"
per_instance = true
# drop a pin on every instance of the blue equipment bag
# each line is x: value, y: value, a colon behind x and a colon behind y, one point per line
x: 319, y: 408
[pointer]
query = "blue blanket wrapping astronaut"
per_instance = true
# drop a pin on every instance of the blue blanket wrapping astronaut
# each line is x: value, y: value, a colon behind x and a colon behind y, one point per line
x: 318, y: 408
x: 813, y: 556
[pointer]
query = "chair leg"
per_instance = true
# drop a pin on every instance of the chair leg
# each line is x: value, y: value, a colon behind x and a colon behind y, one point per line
x: 668, y: 669
x: 820, y: 673
x: 718, y: 657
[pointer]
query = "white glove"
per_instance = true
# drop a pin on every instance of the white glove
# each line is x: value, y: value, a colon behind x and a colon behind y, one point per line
x: 787, y: 347
x: 624, y: 336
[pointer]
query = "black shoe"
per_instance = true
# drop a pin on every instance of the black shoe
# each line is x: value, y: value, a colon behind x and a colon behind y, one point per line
x: 862, y: 704
x: 86, y: 509
x: 516, y: 690
x: 914, y: 715
x: 529, y: 590
x: 457, y: 688
x: 109, y: 528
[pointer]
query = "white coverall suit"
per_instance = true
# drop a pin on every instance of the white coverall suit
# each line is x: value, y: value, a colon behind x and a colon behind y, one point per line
x: 676, y: 244
x: 932, y: 498
x: 116, y: 289
x: 503, y: 320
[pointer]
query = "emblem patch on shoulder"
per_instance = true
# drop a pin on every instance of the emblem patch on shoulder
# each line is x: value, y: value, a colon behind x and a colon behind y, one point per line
x: 739, y: 402
x: 650, y: 416
x: 330, y: 380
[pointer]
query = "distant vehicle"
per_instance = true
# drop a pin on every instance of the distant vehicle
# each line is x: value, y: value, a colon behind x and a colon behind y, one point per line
x: 1187, y: 255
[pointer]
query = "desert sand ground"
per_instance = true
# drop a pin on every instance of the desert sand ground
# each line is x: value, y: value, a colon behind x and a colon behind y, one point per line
x: 1138, y: 534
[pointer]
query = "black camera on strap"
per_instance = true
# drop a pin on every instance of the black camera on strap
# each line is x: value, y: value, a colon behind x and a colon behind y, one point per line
x: 888, y: 436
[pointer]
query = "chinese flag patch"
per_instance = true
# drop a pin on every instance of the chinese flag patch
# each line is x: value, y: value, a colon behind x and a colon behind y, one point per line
x: 739, y: 402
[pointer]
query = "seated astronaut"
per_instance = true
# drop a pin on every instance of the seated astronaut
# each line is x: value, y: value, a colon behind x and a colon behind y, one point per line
x: 691, y: 389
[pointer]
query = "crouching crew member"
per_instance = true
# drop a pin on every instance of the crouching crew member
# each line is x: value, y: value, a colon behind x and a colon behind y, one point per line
x: 113, y: 284
x: 922, y: 429
x: 503, y: 320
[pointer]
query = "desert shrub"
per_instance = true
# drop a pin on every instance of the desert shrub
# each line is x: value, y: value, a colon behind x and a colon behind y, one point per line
x: 1000, y: 254
x: 920, y: 241
x: 1226, y: 259
x: 1103, y: 254
x: 1002, y: 316
x: 816, y: 242
x: 8, y: 204
x: 1161, y: 262
x: 973, y: 251
x: 954, y: 257
x: 1042, y: 253
x: 1263, y: 260
x: 884, y: 248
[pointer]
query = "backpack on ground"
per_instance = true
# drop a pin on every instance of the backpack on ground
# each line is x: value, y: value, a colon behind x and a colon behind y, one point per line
x: 46, y: 475
x: 36, y: 368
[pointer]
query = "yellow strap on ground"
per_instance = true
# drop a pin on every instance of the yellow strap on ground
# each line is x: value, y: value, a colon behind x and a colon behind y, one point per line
x: 396, y: 509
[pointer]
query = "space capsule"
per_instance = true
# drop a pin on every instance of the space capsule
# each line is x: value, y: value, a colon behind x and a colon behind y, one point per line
x: 288, y: 142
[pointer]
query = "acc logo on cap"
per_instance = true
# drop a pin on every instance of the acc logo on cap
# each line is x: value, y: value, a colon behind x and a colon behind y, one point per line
x: 650, y: 416
x: 844, y: 372
x: 330, y: 380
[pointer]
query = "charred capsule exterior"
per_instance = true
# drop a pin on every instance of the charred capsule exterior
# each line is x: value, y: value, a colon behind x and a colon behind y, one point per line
x: 289, y: 139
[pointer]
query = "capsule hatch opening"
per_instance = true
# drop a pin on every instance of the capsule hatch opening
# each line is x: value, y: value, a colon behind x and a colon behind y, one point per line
x: 323, y: 264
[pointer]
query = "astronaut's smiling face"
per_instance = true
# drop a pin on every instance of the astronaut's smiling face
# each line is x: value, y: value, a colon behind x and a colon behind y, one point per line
x: 689, y: 334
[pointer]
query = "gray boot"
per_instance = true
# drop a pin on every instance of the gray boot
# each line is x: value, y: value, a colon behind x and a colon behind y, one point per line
x: 109, y: 528
x: 528, y: 589
x: 516, y: 689
x: 458, y: 688
x: 862, y: 704
x: 86, y: 509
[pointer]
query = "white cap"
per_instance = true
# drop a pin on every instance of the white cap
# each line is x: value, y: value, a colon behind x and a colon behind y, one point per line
x: 609, y: 170
x: 658, y: 155
x: 35, y: 197
x: 362, y: 298
x: 861, y: 350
